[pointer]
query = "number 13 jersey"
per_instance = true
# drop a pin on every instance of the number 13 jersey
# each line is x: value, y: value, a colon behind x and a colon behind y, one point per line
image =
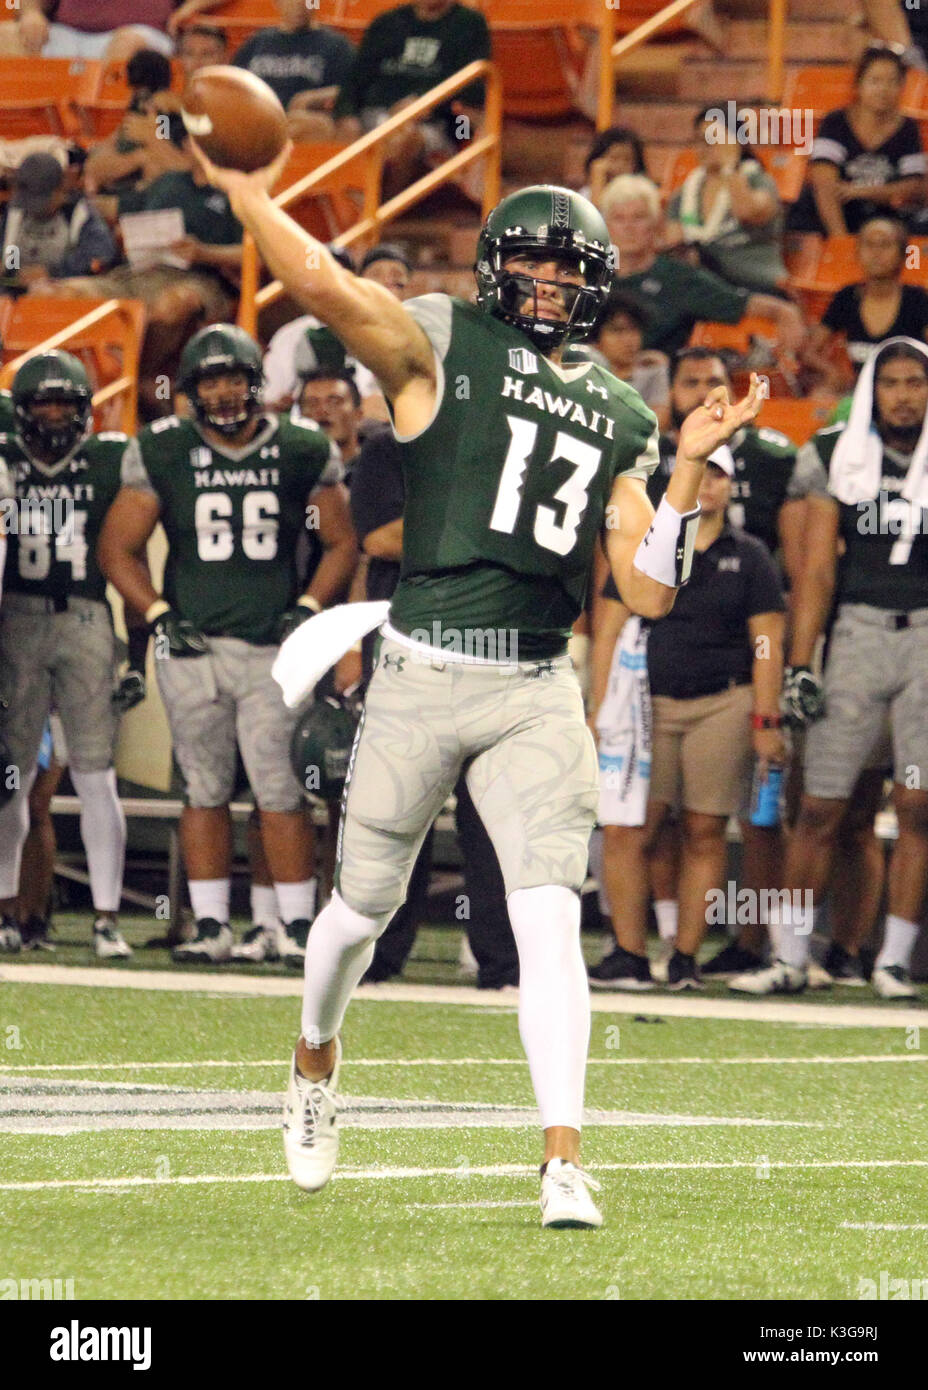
x: 507, y: 486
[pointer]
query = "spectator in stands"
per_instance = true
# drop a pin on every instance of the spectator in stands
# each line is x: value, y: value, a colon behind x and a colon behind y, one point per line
x: 305, y: 343
x: 139, y: 150
x: 305, y: 63
x: 403, y: 54
x: 714, y: 668
x: 47, y: 233
x: 618, y: 340
x: 615, y: 151
x: 201, y: 46
x: 332, y: 399
x: 866, y: 158
x: 179, y: 299
x: 108, y: 29
x: 678, y: 296
x: 863, y: 314
x: 729, y: 208
x: 902, y: 25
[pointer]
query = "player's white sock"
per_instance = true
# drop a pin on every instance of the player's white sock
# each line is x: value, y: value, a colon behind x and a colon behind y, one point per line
x: 667, y: 912
x: 791, y: 931
x: 898, y: 943
x: 14, y: 827
x: 554, y: 998
x: 103, y: 831
x: 209, y: 897
x: 263, y: 905
x: 339, y: 950
x: 296, y: 901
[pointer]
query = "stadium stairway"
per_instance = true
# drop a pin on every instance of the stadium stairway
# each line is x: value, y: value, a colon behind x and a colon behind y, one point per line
x: 659, y: 90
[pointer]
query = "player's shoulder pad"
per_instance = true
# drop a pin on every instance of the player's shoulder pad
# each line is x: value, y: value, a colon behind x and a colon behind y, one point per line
x: 109, y: 437
x: 167, y: 422
x: 624, y: 392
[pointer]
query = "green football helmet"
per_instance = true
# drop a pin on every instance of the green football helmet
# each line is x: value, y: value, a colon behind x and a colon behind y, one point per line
x: 218, y: 349
x: 52, y: 378
x: 320, y: 749
x: 560, y: 225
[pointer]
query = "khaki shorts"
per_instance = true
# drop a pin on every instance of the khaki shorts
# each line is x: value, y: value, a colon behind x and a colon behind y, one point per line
x: 702, y: 751
x: 530, y: 762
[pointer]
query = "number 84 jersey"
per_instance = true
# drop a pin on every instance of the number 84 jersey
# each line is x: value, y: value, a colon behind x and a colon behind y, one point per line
x: 53, y: 514
x: 232, y: 517
x: 507, y: 487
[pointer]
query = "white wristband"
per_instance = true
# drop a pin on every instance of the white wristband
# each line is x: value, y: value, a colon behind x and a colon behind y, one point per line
x: 666, y: 553
x: 308, y: 601
x: 155, y: 610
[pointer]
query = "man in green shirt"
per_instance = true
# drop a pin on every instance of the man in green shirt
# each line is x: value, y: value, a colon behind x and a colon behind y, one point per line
x: 678, y: 296
x: 514, y: 466
x: 231, y: 487
x: 404, y: 54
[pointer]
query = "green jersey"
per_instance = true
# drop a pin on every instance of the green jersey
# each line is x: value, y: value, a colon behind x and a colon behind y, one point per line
x: 59, y: 512
x: 507, y: 487
x: 7, y: 415
x: 232, y: 517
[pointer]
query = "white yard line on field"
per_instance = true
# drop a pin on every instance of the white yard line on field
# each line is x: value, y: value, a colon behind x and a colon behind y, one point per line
x: 231, y: 1063
x: 499, y: 1170
x: 667, y: 1006
x: 883, y: 1226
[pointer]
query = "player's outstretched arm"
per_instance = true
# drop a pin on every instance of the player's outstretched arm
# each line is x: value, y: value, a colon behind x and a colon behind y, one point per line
x: 651, y: 553
x: 369, y: 320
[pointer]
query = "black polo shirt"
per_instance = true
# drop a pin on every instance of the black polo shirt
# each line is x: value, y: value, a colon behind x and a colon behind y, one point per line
x: 704, y: 644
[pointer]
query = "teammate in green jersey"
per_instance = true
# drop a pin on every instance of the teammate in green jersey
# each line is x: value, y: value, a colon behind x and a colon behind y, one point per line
x: 511, y: 462
x: 56, y: 632
x: 231, y: 488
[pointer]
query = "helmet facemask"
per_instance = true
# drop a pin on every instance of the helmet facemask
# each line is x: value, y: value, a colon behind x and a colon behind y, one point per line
x: 227, y: 419
x: 504, y: 292
x: 47, y: 438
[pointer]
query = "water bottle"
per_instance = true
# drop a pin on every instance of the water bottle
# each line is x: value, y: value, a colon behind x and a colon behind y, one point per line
x: 765, y: 796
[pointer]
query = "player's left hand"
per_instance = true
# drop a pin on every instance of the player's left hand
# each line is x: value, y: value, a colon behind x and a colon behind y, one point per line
x: 129, y: 692
x: 715, y: 421
x: 770, y: 749
x: 291, y: 620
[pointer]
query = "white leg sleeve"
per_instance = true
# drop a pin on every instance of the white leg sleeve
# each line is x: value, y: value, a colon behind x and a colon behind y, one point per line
x: 554, y: 999
x: 339, y: 950
x: 103, y: 831
x: 14, y: 827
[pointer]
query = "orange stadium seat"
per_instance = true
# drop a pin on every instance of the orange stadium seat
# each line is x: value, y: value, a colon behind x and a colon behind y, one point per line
x: 736, y: 336
x: 787, y: 168
x: 541, y: 52
x: 915, y: 95
x: 819, y: 89
x: 336, y: 204
x: 35, y: 94
x: 916, y: 269
x: 835, y: 265
x: 797, y: 419
x: 676, y: 170
x: 107, y: 349
x: 750, y: 345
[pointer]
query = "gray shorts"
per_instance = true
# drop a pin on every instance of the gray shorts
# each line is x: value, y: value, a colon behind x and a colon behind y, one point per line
x: 63, y: 661
x: 531, y: 770
x: 876, y: 674
x: 225, y: 700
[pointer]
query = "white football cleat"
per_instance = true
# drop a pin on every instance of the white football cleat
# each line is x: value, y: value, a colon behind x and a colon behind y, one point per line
x: 108, y: 943
x: 291, y: 939
x: 565, y: 1197
x: 212, y: 943
x: 817, y: 977
x: 661, y: 961
x: 311, y: 1126
x: 258, y: 943
x: 892, y: 982
x: 778, y: 978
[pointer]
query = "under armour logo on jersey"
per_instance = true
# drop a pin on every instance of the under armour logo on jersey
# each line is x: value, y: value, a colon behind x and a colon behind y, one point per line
x: 201, y: 457
x: 521, y: 360
x: 396, y: 660
x: 544, y: 668
x: 591, y: 386
x: 732, y: 563
x: 270, y: 451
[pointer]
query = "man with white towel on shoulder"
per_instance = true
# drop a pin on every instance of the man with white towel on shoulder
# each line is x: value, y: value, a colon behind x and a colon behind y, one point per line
x: 872, y: 495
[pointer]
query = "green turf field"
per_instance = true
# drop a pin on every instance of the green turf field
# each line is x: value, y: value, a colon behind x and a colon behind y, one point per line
x: 738, y: 1158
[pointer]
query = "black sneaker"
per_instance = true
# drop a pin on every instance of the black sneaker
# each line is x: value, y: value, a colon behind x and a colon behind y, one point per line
x: 212, y: 944
x: 621, y: 969
x: 682, y: 973
x: 35, y: 934
x: 731, y: 960
x: 291, y: 941
x: 843, y: 968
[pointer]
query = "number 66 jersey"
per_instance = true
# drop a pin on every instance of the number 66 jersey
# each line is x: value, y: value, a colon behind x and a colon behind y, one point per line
x: 60, y: 509
x: 232, y: 517
x: 507, y: 487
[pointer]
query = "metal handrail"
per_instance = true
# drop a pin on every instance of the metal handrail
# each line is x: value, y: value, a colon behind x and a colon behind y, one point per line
x: 126, y: 384
x: 611, y: 50
x: 375, y: 215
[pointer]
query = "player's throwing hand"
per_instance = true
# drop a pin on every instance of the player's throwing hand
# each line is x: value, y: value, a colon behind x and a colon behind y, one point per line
x: 715, y: 421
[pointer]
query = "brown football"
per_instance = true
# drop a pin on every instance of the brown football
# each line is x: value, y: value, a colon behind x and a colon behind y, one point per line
x: 235, y: 118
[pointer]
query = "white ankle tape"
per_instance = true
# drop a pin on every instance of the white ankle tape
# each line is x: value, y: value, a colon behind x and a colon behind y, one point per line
x: 666, y: 553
